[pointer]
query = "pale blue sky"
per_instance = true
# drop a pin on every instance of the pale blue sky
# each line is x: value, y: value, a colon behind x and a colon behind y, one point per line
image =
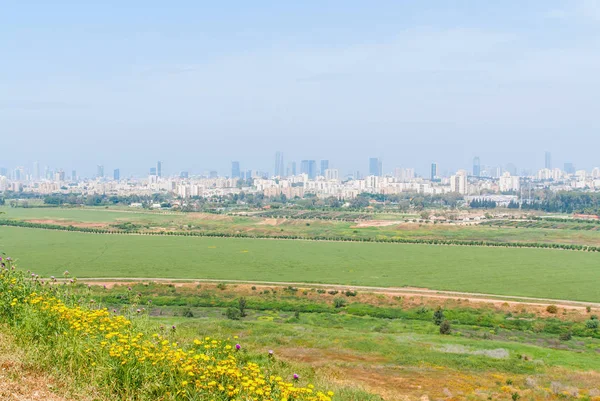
x: 198, y: 84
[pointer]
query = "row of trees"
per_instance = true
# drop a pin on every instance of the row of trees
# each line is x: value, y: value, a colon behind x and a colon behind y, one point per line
x: 565, y: 202
x: 573, y: 247
x: 482, y: 204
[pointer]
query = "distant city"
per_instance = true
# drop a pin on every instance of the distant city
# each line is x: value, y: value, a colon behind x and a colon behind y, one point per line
x: 316, y: 177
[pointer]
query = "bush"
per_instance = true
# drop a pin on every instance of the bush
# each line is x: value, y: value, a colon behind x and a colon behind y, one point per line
x: 333, y: 292
x: 221, y: 286
x: 321, y: 291
x: 552, y: 309
x: 588, y: 309
x: 253, y: 288
x: 339, y: 302
x: 438, y: 316
x: 349, y: 293
x: 187, y: 312
x: 566, y: 336
x: 592, y: 324
x: 233, y: 313
x: 242, y: 306
x: 445, y: 327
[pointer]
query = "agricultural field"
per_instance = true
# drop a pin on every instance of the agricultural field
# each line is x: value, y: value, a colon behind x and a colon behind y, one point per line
x: 540, y: 273
x: 379, y: 226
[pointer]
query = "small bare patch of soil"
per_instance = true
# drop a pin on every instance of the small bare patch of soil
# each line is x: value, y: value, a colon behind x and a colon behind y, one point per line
x: 66, y: 223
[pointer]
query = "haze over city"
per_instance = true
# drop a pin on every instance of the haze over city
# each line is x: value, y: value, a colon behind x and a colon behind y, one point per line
x: 199, y: 85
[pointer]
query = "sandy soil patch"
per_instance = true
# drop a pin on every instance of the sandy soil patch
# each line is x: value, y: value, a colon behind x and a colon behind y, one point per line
x: 66, y: 223
x: 376, y: 223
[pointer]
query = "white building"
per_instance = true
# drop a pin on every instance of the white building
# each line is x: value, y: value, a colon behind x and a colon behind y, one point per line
x: 458, y: 182
x: 509, y: 183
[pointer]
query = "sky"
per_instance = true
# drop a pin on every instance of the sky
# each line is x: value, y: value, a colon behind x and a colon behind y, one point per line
x: 198, y: 84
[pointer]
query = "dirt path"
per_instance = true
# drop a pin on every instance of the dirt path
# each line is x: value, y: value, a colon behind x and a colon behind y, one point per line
x: 396, y: 291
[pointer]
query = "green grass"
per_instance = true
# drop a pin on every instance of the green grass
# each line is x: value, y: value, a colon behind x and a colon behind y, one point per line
x: 504, y: 271
x: 540, y: 232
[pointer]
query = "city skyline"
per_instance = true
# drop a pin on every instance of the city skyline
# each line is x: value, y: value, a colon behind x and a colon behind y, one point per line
x: 311, y: 167
x: 405, y: 82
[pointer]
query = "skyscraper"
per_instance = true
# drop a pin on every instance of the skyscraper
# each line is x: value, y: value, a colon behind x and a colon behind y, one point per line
x: 476, y: 167
x: 3, y: 171
x: 100, y: 171
x: 73, y: 175
x: 235, y: 169
x: 569, y: 168
x: 434, y: 171
x: 279, y: 171
x: 291, y: 168
x: 324, y: 166
x: 184, y: 174
x: 548, y: 161
x: 309, y: 167
x: 116, y: 174
x: 159, y: 168
x: 36, y: 171
x: 375, y: 166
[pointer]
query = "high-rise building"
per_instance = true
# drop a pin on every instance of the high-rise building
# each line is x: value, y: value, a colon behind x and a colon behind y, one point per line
x: 569, y: 168
x: 116, y: 174
x: 159, y: 168
x: 279, y: 171
x: 476, y: 167
x: 235, y: 169
x: 184, y: 174
x: 511, y: 168
x: 36, y: 171
x: 548, y: 161
x: 152, y: 170
x: 3, y: 171
x: 100, y: 171
x: 213, y: 174
x: 324, y: 166
x: 375, y: 166
x: 291, y: 169
x: 458, y: 182
x: 248, y: 174
x: 73, y: 175
x: 309, y: 167
x: 59, y: 176
x: 434, y: 171
x: 332, y: 174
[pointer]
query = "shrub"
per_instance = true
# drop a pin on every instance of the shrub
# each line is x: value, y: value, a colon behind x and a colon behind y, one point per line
x: 588, y: 309
x: 566, y: 336
x: 242, y: 306
x: 438, y: 316
x: 591, y: 324
x: 222, y: 286
x: 339, y: 302
x: 552, y: 309
x: 445, y: 327
x: 332, y: 292
x: 233, y: 313
x: 349, y: 293
x: 187, y: 312
x: 321, y: 291
x: 253, y: 288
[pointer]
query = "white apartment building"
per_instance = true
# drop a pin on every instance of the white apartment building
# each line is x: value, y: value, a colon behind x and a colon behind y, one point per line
x: 458, y: 182
x: 509, y: 183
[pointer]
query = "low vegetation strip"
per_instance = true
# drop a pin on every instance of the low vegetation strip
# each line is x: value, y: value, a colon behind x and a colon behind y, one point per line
x: 393, y: 240
x: 124, y: 357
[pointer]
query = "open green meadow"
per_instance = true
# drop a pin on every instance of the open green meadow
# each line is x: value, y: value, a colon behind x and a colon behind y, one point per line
x: 504, y: 271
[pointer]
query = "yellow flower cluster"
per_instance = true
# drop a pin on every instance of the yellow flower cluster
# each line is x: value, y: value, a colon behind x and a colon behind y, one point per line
x: 208, y: 369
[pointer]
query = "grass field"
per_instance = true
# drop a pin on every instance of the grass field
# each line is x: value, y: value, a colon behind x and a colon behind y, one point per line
x: 207, y: 223
x: 504, y: 271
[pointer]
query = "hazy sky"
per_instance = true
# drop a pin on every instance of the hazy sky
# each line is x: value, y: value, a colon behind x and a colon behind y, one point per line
x: 198, y: 84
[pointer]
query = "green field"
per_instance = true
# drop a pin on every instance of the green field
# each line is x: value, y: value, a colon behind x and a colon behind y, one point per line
x: 210, y: 223
x: 504, y: 271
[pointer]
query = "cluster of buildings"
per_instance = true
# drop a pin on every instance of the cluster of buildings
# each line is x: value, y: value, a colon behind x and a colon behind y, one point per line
x: 316, y: 179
